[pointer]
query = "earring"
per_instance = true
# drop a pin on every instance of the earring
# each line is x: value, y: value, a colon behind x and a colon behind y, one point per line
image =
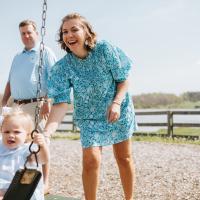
x: 86, y: 43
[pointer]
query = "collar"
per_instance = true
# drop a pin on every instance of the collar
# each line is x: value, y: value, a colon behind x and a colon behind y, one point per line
x: 34, y: 49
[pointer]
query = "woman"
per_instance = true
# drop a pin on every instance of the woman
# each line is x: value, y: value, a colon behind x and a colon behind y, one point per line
x: 103, y: 110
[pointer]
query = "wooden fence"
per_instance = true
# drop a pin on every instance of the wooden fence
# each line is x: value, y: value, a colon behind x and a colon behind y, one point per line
x: 170, y: 124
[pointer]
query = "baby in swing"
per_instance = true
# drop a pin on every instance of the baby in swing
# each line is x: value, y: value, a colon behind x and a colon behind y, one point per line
x: 16, y: 128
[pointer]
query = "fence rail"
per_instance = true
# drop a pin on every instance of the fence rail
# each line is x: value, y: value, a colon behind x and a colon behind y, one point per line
x: 169, y: 124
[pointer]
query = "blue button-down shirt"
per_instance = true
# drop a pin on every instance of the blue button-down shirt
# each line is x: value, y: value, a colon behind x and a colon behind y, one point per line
x: 23, y: 75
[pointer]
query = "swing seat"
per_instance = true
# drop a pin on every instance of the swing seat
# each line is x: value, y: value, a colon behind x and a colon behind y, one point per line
x: 56, y: 197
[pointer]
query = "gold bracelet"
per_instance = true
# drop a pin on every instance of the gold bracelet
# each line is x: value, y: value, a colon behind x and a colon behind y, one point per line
x: 117, y: 103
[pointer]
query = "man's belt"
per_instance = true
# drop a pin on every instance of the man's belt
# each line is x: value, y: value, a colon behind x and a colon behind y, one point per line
x: 25, y: 101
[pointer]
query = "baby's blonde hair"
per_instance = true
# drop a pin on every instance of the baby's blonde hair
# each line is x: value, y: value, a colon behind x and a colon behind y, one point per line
x: 19, y: 113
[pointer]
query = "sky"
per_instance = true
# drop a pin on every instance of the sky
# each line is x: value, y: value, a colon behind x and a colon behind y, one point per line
x: 162, y: 37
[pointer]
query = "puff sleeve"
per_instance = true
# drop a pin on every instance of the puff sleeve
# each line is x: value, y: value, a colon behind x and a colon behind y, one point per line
x: 118, y: 62
x: 59, y: 87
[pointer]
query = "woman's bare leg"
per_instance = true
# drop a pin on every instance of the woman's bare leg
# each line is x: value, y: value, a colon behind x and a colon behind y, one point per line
x: 123, y: 155
x: 90, y: 174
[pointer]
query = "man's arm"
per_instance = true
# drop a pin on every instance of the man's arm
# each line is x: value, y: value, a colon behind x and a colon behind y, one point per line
x: 46, y: 108
x: 6, y: 95
x: 50, y: 60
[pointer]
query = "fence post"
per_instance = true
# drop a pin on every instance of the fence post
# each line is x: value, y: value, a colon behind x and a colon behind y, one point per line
x: 73, y: 125
x: 170, y: 124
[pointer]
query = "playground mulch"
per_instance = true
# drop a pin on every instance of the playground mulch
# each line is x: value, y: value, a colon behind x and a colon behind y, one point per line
x: 163, y: 171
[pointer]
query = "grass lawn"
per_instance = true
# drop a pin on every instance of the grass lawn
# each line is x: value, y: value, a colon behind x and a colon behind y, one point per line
x: 165, y: 140
x: 182, y: 131
x: 149, y: 138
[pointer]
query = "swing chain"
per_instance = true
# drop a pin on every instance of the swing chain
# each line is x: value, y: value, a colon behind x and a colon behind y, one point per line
x: 32, y: 151
x: 39, y: 86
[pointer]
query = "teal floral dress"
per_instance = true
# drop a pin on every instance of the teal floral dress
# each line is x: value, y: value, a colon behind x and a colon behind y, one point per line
x: 94, y: 80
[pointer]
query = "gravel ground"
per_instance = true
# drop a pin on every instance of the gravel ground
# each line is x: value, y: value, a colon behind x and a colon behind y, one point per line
x: 163, y: 171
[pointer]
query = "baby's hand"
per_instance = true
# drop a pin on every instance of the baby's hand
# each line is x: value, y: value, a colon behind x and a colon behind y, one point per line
x: 2, y: 192
x: 39, y: 139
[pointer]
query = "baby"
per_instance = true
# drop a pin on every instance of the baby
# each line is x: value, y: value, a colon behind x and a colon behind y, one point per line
x: 16, y: 128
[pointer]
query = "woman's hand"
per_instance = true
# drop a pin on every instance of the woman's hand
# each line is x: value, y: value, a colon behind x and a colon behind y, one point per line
x: 113, y: 113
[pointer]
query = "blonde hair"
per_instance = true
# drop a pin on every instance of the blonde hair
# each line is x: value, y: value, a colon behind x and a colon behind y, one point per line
x: 19, y: 113
x: 91, y: 35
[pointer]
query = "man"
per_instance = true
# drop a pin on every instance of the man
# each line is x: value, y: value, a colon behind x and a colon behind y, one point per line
x: 23, y: 78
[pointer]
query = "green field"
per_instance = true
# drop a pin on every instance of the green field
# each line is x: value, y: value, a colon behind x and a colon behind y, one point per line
x: 176, y: 131
x: 165, y: 140
x: 148, y: 138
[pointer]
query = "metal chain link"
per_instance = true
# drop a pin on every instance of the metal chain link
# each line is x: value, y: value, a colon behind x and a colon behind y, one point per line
x: 39, y: 85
